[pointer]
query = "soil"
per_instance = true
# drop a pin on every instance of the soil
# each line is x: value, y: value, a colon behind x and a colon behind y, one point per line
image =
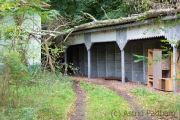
x: 116, y: 86
x: 80, y: 102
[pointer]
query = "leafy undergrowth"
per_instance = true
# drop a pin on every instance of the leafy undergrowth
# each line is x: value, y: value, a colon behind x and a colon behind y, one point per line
x: 104, y: 104
x: 158, y: 105
x: 47, y: 97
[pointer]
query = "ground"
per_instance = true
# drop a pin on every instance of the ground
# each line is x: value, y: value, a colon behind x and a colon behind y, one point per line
x: 80, y: 102
x: 114, y: 85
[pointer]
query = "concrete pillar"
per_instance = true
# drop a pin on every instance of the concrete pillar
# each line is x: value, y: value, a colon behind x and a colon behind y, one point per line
x: 89, y: 63
x: 106, y: 60
x: 88, y: 44
x: 175, y: 67
x: 121, y: 40
x: 122, y: 67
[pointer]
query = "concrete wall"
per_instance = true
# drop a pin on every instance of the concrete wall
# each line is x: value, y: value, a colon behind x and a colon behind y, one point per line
x: 76, y: 40
x: 106, y: 59
x: 105, y: 36
x: 32, y: 23
x: 137, y: 68
x: 138, y: 32
x: 145, y: 31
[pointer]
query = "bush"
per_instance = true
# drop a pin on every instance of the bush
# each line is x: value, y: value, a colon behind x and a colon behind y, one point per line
x: 15, y: 73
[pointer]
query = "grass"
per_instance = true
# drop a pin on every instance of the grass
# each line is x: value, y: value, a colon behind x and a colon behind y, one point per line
x: 104, y: 104
x: 153, y: 101
x: 49, y: 97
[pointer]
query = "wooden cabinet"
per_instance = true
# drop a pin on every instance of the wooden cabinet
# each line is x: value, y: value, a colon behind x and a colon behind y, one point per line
x: 150, y: 68
x: 150, y: 81
x: 165, y: 84
x: 159, y: 68
x: 160, y: 71
x: 166, y: 63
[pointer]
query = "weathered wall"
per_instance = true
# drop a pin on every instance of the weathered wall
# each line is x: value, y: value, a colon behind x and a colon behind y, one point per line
x: 76, y: 40
x: 137, y: 68
x: 94, y: 60
x: 31, y: 23
x: 128, y: 55
x: 105, y: 36
x: 145, y: 31
x: 106, y: 59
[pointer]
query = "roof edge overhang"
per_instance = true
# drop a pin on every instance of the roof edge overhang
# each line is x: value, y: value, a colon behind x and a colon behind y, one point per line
x: 127, y: 25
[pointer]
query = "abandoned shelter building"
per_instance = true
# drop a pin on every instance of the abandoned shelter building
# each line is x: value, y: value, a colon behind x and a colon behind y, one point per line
x: 109, y: 49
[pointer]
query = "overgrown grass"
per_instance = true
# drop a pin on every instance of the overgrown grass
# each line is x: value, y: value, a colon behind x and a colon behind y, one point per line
x: 104, y: 104
x: 47, y: 97
x: 154, y: 102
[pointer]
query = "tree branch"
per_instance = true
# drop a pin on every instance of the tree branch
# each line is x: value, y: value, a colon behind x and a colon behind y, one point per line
x: 101, y: 23
x: 90, y: 16
x: 105, y: 13
x: 69, y: 34
x: 55, y: 30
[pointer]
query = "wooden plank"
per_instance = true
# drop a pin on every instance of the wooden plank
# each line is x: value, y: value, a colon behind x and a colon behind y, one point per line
x: 150, y: 68
x: 168, y: 84
x: 157, y: 72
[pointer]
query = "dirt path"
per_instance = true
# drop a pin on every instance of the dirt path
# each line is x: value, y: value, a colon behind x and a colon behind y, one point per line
x: 80, y: 102
x: 121, y: 90
x: 136, y: 108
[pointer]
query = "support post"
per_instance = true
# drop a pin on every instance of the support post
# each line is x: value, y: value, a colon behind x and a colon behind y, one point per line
x: 175, y: 67
x: 88, y: 44
x: 65, y: 62
x: 106, y: 60
x: 121, y: 40
x: 89, y: 63
x: 122, y: 66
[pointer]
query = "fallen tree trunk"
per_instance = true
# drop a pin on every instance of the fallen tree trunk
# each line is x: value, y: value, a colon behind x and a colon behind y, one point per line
x: 101, y: 23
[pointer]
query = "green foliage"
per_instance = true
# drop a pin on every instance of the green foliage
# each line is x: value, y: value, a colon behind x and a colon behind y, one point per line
x: 14, y: 72
x: 104, y: 104
x: 16, y: 25
x: 56, y: 53
x: 141, y: 92
x: 139, y: 58
x: 67, y: 68
x: 157, y: 101
x: 49, y: 15
x: 165, y: 45
x: 47, y: 96
x: 114, y: 8
x: 18, y: 71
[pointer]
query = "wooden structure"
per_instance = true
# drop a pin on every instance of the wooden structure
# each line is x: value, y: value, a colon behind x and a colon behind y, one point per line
x: 107, y: 50
x: 160, y: 73
x: 165, y: 84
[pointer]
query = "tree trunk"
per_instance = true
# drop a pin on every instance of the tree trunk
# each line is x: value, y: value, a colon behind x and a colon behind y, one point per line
x: 49, y: 57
